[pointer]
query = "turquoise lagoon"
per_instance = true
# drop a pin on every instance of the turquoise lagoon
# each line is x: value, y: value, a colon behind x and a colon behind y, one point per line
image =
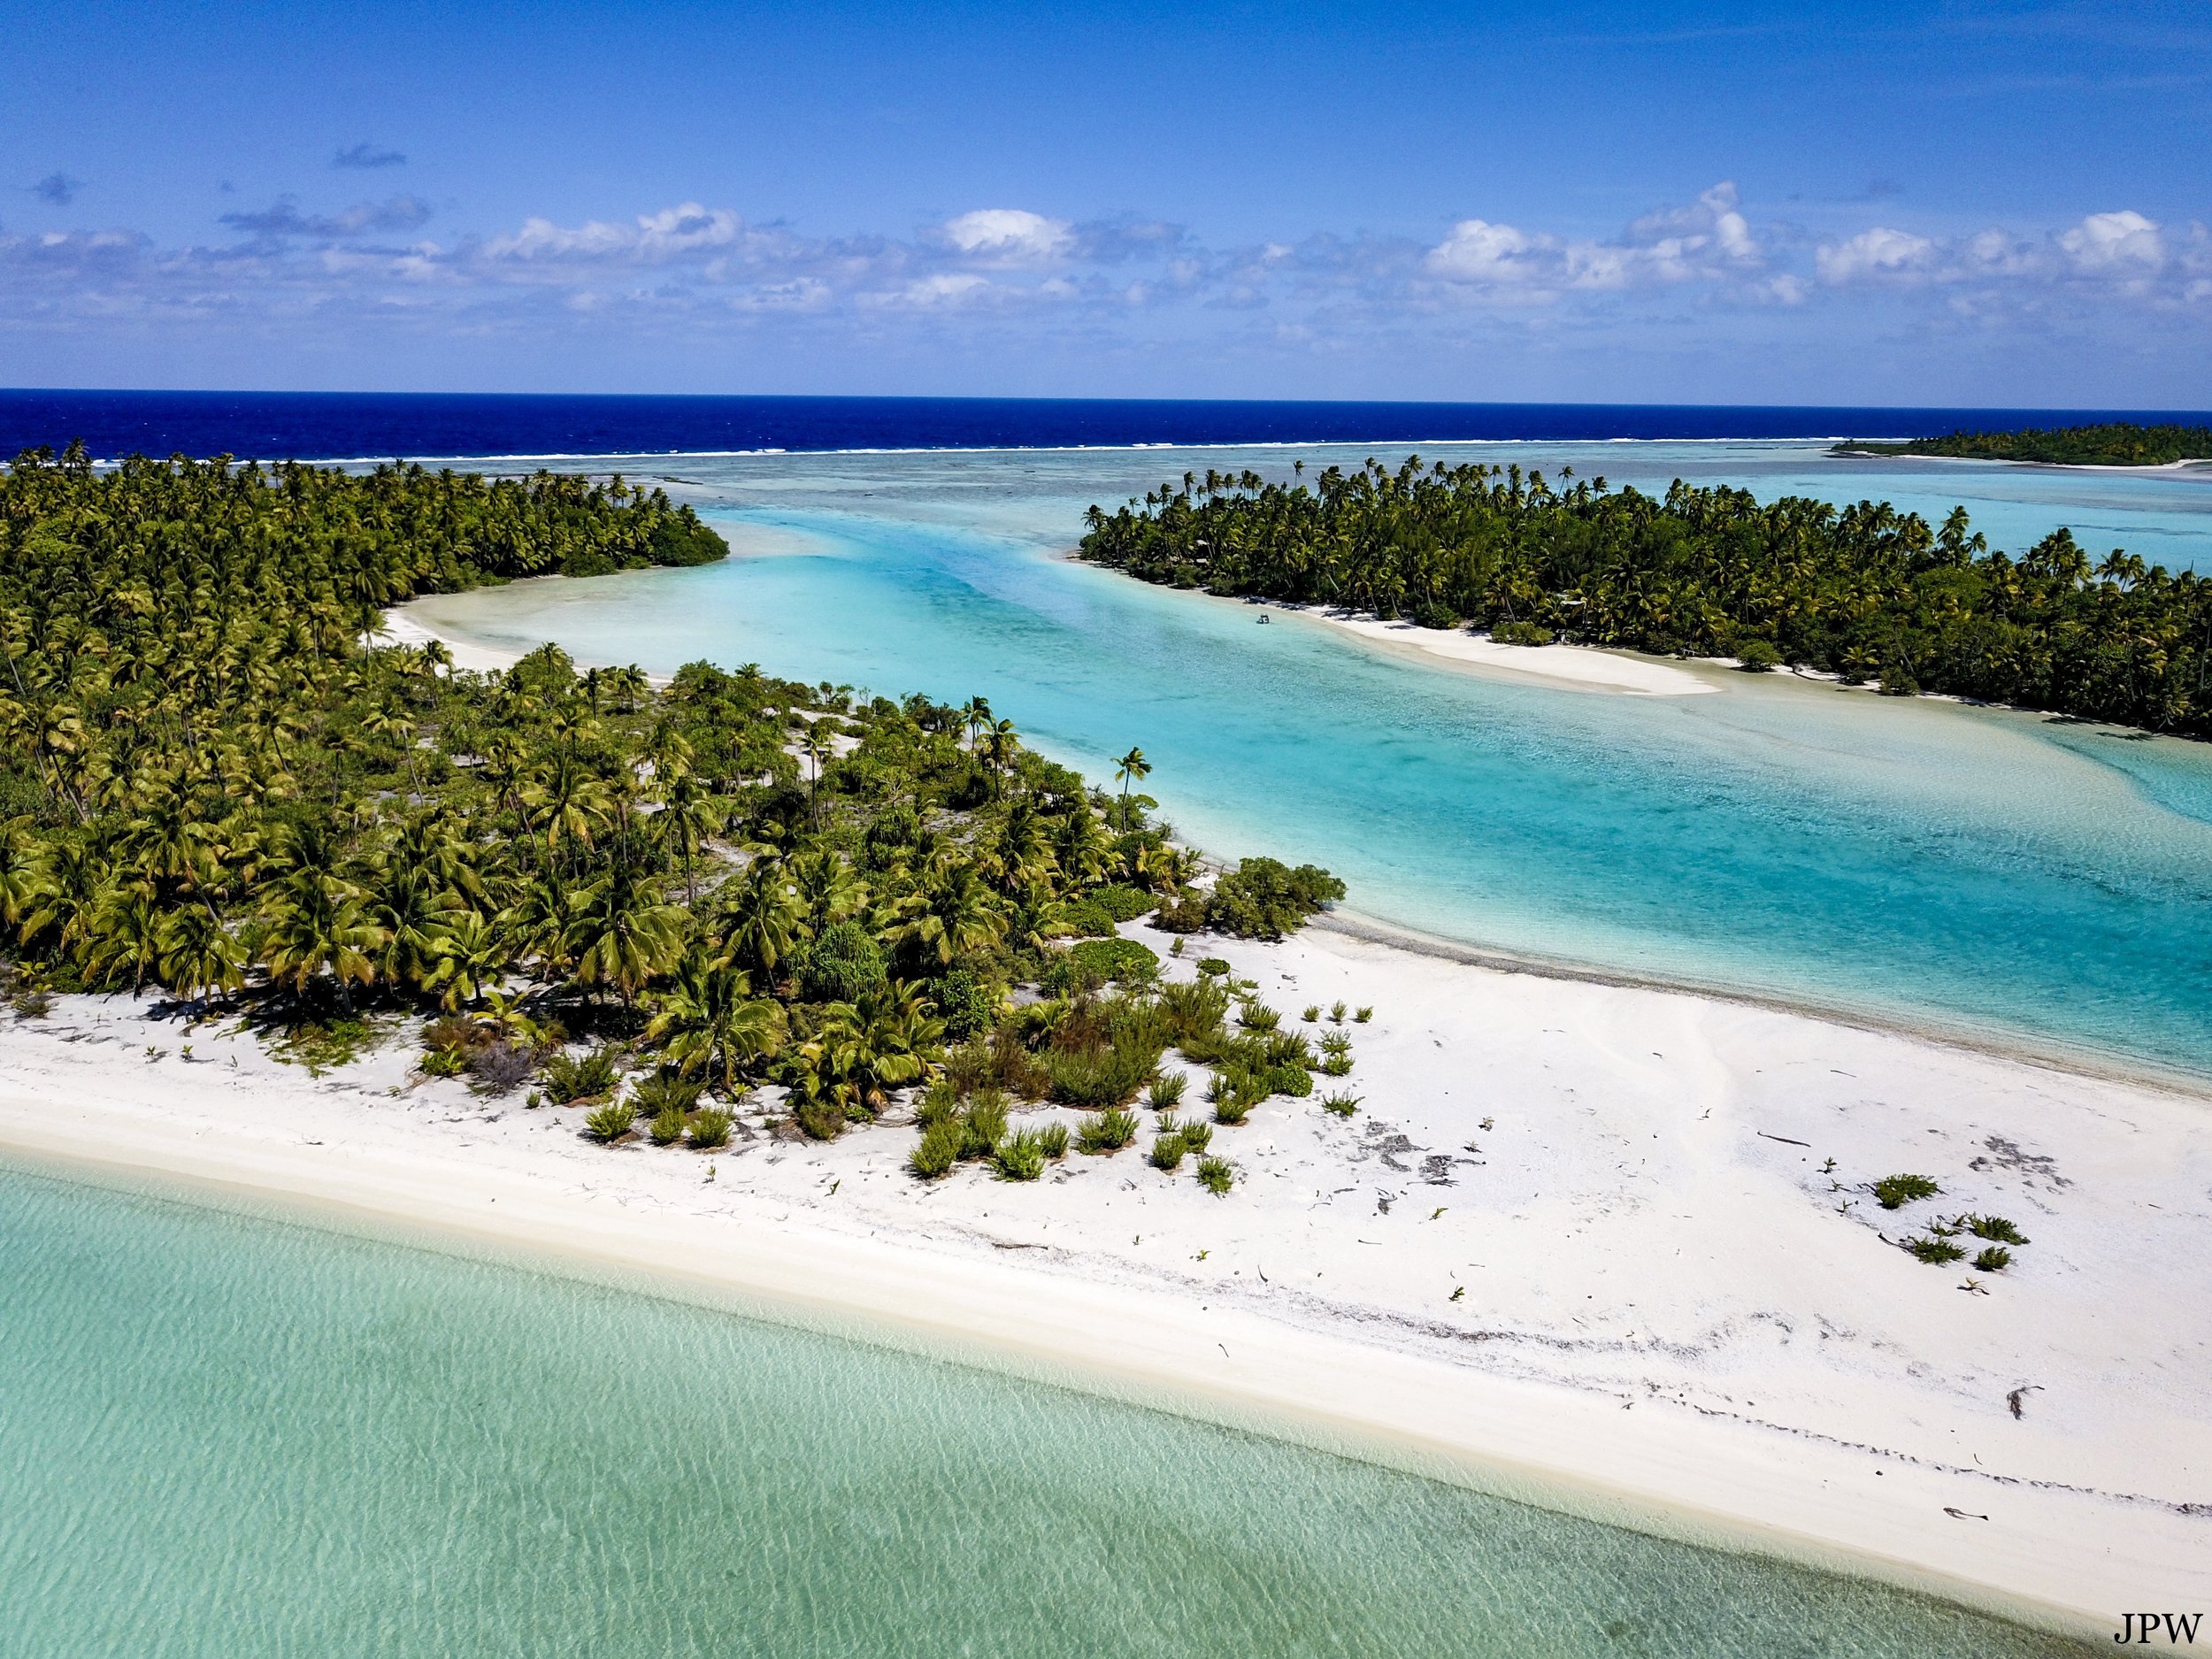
x: 1977, y: 870
x: 227, y: 1435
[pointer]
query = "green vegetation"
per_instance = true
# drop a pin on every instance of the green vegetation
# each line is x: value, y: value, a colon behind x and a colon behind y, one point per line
x: 2115, y: 443
x: 1896, y: 1191
x: 1343, y: 1104
x: 1864, y: 592
x: 1166, y: 1092
x: 1994, y: 1258
x: 1994, y: 1228
x: 609, y: 1123
x: 1216, y: 1175
x: 217, y: 787
x: 1020, y: 1156
x: 1935, y: 1252
x: 1106, y: 1131
x: 1168, y: 1150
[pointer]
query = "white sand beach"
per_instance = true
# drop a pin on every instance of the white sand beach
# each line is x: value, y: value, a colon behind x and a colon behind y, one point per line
x: 1582, y: 1235
x: 1582, y: 666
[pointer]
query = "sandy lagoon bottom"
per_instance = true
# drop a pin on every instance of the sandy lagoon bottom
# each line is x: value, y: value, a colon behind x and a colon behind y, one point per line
x: 229, y: 1433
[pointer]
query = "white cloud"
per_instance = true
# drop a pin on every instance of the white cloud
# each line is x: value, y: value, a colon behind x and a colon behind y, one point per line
x: 673, y: 232
x: 1008, y: 236
x: 2122, y: 242
x: 1707, y: 239
x: 1478, y: 251
x: 1878, y: 253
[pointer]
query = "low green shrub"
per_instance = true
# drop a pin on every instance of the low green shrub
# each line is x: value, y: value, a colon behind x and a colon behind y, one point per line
x: 711, y: 1129
x: 1994, y: 1258
x: 1167, y: 1090
x: 1994, y: 1228
x: 667, y: 1127
x: 1336, y: 1065
x: 984, y: 1125
x: 1935, y: 1252
x: 1020, y: 1156
x: 1264, y: 898
x: 661, y: 1093
x: 1293, y: 1080
x: 1216, y: 1175
x: 569, y: 1079
x: 1896, y: 1191
x: 1111, y: 1076
x: 445, y: 1062
x: 1521, y: 634
x: 1213, y: 966
x: 1128, y: 961
x: 1336, y: 1013
x: 609, y: 1123
x: 1333, y: 1042
x: 1122, y: 903
x: 1362, y: 1016
x: 841, y: 966
x: 1258, y: 1016
x: 1757, y: 655
x: 1053, y: 1139
x: 1342, y: 1105
x: 1168, y: 1150
x: 939, y: 1102
x: 1312, y: 1013
x: 1197, y: 1136
x: 819, y: 1117
x: 1106, y: 1131
x: 1232, y: 1110
x: 939, y: 1150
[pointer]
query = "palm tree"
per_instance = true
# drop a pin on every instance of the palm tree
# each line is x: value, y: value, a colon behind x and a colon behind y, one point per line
x: 711, y: 1023
x: 763, y: 913
x: 469, y: 958
x: 688, y: 815
x: 315, y: 930
x: 975, y: 713
x: 199, y: 955
x: 1131, y: 768
x: 622, y: 934
x: 124, y: 937
x: 818, y: 746
x: 950, y: 916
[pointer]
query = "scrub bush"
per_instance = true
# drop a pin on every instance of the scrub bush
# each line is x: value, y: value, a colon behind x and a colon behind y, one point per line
x: 1896, y: 1191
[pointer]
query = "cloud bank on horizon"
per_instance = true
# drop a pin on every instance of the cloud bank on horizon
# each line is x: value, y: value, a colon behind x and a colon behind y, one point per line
x: 1427, y: 281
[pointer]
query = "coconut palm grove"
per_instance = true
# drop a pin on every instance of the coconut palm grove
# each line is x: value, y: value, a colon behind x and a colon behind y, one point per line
x: 644, y: 899
x: 1865, y: 593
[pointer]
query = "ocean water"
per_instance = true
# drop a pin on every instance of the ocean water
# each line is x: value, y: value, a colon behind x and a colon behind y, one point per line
x: 342, y: 426
x: 226, y: 1436
x: 1978, y: 869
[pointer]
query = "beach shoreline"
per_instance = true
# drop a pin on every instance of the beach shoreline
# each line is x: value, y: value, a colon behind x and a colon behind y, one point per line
x: 1667, y: 1395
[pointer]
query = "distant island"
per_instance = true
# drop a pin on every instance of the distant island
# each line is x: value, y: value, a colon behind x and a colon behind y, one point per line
x: 2115, y: 443
x: 1866, y: 593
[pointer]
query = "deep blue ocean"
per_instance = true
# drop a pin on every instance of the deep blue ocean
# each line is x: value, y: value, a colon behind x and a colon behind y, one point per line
x: 354, y: 426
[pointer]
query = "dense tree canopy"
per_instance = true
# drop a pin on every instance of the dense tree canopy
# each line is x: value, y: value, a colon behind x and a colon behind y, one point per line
x: 213, y: 780
x: 2114, y: 443
x: 1864, y: 592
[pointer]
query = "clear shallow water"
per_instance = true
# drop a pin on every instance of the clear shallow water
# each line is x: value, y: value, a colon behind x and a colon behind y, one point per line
x: 229, y: 1437
x: 1997, y: 870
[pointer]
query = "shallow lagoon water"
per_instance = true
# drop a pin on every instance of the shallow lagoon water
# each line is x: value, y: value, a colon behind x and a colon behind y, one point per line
x: 231, y: 1436
x: 1978, y: 870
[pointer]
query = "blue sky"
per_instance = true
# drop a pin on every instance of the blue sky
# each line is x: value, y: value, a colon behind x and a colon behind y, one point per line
x: 1972, y: 204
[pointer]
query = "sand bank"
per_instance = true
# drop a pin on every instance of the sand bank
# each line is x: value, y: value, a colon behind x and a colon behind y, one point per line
x: 1579, y: 665
x: 1669, y: 1307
